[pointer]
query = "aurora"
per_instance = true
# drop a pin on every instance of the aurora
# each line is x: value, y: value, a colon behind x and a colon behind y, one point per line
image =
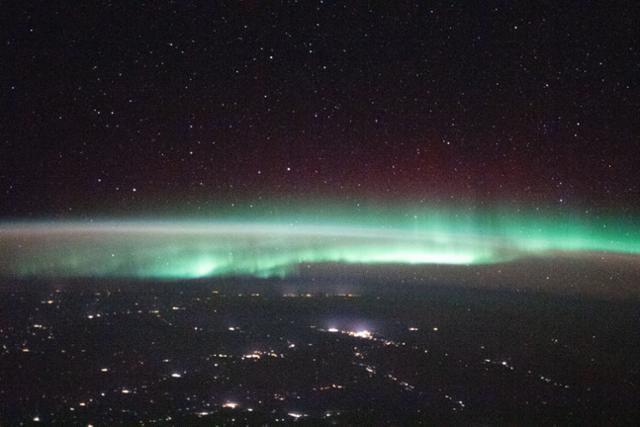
x: 257, y: 247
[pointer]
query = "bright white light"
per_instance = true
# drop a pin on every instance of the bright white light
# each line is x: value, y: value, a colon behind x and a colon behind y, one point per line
x: 295, y: 415
x: 333, y: 330
x: 230, y: 405
x: 361, y: 334
x: 254, y: 355
x: 176, y: 375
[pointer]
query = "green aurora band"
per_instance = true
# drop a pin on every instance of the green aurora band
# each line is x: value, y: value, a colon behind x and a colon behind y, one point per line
x: 262, y: 247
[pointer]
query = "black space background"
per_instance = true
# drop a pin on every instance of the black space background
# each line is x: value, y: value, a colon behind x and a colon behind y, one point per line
x: 125, y: 107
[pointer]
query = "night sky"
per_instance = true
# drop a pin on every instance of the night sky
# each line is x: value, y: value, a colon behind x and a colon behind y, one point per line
x: 147, y: 107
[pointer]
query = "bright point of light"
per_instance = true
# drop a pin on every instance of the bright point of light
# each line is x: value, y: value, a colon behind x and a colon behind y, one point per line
x: 36, y: 419
x: 230, y: 405
x: 251, y: 356
x: 176, y: 375
x: 435, y: 329
x: 126, y: 391
x: 413, y: 329
x: 295, y: 415
x: 361, y: 334
x: 333, y: 330
x: 104, y: 369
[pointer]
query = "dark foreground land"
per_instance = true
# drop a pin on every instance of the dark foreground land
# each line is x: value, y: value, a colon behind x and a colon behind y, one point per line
x: 255, y: 352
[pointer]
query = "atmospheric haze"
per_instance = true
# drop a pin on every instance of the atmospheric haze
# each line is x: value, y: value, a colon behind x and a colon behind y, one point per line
x: 184, y: 249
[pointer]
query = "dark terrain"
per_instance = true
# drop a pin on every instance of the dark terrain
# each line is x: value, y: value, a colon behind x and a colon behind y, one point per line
x: 254, y: 352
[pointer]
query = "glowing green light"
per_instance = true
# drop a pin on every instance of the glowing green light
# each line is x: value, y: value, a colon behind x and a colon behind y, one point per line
x: 204, y: 268
x: 277, y: 247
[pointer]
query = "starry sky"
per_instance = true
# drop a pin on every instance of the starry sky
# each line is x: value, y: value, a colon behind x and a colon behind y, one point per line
x: 128, y: 107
